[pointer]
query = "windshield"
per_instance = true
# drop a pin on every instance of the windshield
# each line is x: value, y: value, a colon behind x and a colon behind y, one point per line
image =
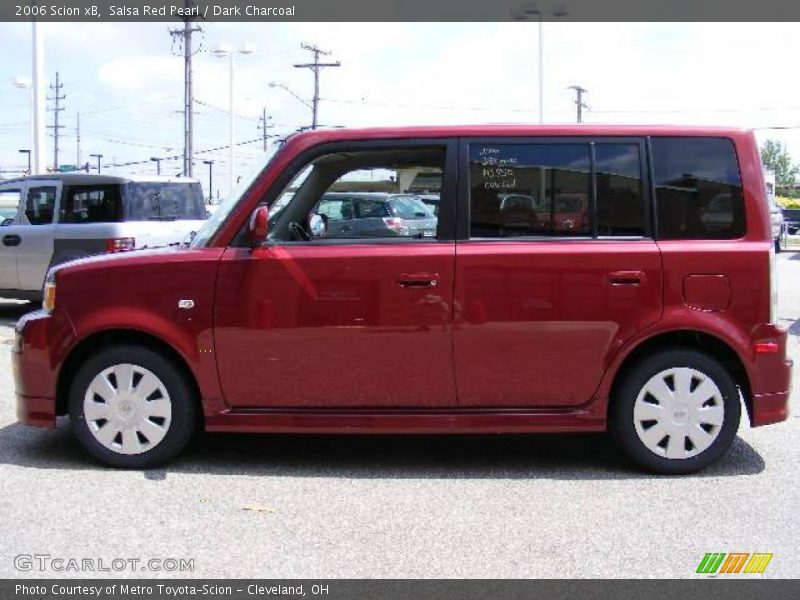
x: 219, y: 216
x: 163, y: 201
x: 410, y: 207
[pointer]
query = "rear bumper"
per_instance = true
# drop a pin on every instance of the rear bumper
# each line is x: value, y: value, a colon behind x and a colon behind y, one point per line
x: 38, y: 412
x: 769, y: 408
x: 770, y: 376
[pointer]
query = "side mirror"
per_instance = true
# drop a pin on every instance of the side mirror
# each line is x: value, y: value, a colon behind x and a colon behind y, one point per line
x: 259, y: 226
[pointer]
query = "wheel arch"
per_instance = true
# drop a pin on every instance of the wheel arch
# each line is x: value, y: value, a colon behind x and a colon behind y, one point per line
x: 694, y: 339
x: 100, y: 340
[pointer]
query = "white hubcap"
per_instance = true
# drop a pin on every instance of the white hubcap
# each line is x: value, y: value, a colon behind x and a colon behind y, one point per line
x: 679, y: 413
x: 127, y: 409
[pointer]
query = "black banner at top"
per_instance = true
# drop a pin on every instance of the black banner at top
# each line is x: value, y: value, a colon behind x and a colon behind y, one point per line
x: 398, y: 10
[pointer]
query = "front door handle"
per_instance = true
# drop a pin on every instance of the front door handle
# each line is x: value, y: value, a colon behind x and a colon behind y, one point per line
x: 626, y: 278
x: 418, y: 280
x: 11, y: 240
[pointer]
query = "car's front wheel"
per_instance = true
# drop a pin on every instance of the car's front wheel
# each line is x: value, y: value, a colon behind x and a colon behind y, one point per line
x: 676, y: 412
x: 131, y: 407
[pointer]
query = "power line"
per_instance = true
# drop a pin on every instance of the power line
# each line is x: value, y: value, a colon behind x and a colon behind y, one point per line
x: 315, y: 67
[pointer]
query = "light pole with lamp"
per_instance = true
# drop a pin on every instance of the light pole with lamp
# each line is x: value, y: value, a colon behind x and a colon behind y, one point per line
x: 221, y: 51
x: 28, y: 152
x: 528, y: 12
x: 157, y: 160
x: 210, y: 181
x: 98, y: 157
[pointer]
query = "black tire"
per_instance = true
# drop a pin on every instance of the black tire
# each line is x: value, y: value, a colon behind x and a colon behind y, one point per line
x: 621, y: 413
x: 184, y: 413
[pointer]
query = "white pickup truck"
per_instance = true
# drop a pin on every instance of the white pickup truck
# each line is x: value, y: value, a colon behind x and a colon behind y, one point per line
x: 62, y: 217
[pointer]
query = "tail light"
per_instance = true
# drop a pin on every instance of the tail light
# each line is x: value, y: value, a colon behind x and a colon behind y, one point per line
x: 397, y: 225
x: 120, y: 244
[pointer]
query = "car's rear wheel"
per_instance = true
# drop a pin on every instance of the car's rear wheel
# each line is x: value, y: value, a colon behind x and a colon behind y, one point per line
x: 131, y: 407
x: 676, y: 412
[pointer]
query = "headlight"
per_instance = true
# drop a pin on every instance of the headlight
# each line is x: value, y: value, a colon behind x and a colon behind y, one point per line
x: 49, y: 300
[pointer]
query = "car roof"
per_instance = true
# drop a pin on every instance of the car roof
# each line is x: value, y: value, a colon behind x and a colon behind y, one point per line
x: 317, y: 136
x: 98, y: 179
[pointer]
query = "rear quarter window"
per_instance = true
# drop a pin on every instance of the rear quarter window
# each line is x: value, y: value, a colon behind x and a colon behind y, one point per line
x: 698, y: 189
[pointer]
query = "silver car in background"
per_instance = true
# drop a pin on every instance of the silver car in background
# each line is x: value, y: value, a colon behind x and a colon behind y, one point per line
x: 376, y: 214
x: 63, y: 217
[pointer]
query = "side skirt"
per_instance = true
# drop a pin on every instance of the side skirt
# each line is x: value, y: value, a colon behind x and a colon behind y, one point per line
x: 408, y: 421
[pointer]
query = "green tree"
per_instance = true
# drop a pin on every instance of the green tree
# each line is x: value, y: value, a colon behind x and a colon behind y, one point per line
x: 776, y: 158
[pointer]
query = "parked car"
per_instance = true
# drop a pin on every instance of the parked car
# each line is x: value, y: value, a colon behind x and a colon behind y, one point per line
x: 776, y: 222
x: 364, y: 215
x: 791, y: 220
x: 62, y: 217
x: 652, y: 322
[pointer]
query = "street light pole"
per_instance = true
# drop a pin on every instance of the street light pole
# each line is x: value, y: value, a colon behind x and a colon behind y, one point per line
x: 223, y: 50
x: 210, y: 181
x: 98, y: 157
x: 37, y: 83
x: 524, y: 13
x: 157, y: 160
x: 28, y: 152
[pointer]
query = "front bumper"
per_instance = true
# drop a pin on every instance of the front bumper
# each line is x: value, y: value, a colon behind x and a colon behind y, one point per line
x: 41, y: 341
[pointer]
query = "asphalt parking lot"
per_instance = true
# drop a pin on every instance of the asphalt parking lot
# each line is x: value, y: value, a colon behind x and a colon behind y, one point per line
x: 336, y: 506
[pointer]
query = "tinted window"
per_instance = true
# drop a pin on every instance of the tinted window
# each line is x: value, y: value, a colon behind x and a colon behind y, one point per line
x: 368, y: 208
x: 154, y: 201
x: 39, y: 205
x: 698, y: 189
x: 92, y: 204
x: 620, y: 206
x: 529, y: 189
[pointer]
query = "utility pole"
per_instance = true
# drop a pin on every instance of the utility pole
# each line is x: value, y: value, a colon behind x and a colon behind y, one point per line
x: 315, y: 67
x: 263, y: 127
x: 579, y: 103
x: 57, y: 108
x: 185, y: 35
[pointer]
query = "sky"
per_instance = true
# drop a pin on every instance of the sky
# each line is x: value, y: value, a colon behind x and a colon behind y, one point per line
x: 126, y: 80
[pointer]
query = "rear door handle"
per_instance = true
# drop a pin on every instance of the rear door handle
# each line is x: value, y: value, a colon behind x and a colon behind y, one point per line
x: 418, y: 280
x: 626, y: 278
x: 11, y: 240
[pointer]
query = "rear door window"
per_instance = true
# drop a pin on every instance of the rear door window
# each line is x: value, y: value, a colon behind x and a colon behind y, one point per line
x: 537, y: 189
x: 698, y: 189
x: 92, y: 204
x: 620, y: 197
x: 163, y: 201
